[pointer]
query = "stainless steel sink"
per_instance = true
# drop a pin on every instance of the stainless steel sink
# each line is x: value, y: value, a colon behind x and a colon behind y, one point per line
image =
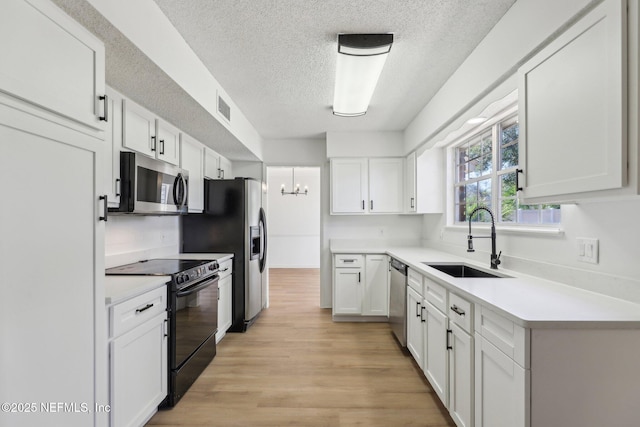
x: 463, y: 270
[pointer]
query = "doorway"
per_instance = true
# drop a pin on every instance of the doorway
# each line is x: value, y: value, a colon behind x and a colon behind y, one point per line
x: 293, y: 203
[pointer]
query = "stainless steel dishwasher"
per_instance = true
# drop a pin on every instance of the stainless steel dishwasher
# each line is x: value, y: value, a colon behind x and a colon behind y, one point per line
x: 398, y: 300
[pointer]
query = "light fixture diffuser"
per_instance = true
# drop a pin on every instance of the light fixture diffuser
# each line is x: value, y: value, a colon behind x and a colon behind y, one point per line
x: 361, y: 58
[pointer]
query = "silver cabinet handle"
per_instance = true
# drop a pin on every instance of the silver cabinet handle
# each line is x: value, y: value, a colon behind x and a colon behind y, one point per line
x: 118, y: 187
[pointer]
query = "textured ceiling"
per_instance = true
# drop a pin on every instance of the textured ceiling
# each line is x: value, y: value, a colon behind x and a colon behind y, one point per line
x: 276, y: 58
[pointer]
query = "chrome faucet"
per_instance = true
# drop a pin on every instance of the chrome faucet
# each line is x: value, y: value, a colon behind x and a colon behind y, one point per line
x: 495, y: 259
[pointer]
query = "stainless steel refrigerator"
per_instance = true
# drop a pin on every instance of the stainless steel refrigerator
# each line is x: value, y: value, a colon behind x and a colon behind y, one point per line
x: 233, y: 222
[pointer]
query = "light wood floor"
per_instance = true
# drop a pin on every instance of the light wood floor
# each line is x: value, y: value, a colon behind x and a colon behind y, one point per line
x: 295, y: 367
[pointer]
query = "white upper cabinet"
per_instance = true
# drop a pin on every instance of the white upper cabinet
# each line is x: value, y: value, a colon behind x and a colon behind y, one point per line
x: 424, y: 182
x: 192, y: 160
x: 168, y: 147
x: 385, y: 185
x: 360, y: 185
x: 349, y: 185
x: 52, y: 61
x: 113, y: 146
x: 146, y: 134
x: 139, y: 129
x: 216, y: 166
x: 573, y: 109
x: 410, y: 184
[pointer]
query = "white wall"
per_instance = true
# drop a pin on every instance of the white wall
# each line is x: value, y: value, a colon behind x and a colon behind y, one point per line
x: 356, y: 144
x: 130, y: 238
x: 293, y: 221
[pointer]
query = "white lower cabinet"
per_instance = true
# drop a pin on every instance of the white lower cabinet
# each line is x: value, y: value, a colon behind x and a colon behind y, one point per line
x: 436, y: 359
x: 500, y: 388
x: 375, y: 301
x: 460, y: 376
x: 225, y: 302
x: 361, y: 285
x: 442, y: 345
x: 347, y: 296
x: 138, y: 357
x: 415, y: 340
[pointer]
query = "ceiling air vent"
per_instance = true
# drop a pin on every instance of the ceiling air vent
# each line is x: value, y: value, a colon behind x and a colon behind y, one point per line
x: 224, y: 109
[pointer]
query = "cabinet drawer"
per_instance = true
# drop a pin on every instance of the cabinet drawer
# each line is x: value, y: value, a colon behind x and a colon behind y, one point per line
x: 414, y: 280
x: 131, y: 313
x: 436, y: 294
x: 226, y: 268
x: 510, y: 338
x: 460, y: 312
x: 349, y: 260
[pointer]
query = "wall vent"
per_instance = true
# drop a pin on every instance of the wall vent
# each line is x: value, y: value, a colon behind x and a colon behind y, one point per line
x: 224, y: 109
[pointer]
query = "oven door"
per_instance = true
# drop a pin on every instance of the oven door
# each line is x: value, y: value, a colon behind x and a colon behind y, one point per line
x: 195, y: 318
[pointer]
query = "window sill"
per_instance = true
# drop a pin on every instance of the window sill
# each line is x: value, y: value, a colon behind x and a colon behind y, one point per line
x: 514, y: 230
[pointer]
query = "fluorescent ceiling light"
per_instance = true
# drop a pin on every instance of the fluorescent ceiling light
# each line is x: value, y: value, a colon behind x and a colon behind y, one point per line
x: 360, y: 61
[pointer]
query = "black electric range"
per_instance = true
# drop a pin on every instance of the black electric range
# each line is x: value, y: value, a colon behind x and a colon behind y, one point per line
x: 192, y: 312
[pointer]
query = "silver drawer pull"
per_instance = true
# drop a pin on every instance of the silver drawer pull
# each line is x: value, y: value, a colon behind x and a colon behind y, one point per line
x: 457, y: 310
x: 348, y: 260
x: 146, y: 307
x: 222, y: 271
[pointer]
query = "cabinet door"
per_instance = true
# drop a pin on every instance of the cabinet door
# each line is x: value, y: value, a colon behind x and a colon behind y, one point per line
x: 436, y: 354
x: 58, y: 340
x: 138, y: 372
x: 415, y: 318
x: 347, y: 297
x: 138, y: 129
x: 385, y: 185
x: 349, y: 186
x: 51, y: 61
x: 573, y: 125
x: 211, y: 164
x: 410, y: 184
x: 375, y: 301
x: 113, y: 146
x: 225, y: 168
x: 192, y: 160
x: 430, y: 181
x: 224, y: 306
x: 168, y: 149
x: 461, y: 359
x: 499, y: 388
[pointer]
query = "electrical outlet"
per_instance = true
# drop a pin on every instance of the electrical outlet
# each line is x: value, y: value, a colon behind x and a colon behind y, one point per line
x: 588, y: 249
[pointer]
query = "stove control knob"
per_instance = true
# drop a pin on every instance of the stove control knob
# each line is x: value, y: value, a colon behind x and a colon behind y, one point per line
x: 179, y: 279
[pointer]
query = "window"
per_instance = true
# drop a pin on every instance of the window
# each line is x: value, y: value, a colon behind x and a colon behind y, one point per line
x: 485, y: 175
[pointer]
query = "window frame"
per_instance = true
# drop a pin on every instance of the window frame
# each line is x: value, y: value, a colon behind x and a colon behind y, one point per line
x: 495, y: 124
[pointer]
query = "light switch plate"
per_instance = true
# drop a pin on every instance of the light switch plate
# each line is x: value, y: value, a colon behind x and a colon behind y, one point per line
x: 588, y: 249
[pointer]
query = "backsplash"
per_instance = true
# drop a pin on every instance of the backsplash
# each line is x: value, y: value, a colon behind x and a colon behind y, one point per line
x: 132, y: 238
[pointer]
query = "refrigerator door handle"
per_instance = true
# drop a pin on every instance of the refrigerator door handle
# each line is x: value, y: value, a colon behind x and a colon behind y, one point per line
x: 262, y: 223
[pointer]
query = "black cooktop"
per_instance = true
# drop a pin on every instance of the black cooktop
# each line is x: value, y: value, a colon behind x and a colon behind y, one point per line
x: 155, y: 267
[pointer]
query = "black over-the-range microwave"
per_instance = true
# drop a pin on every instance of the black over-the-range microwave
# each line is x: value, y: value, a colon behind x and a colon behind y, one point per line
x: 151, y: 187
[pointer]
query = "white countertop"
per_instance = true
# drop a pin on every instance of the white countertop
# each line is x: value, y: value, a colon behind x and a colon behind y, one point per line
x: 529, y: 301
x: 121, y: 288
